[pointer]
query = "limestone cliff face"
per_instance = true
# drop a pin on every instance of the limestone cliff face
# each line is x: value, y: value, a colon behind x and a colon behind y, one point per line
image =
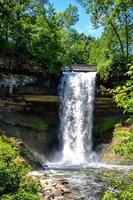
x: 28, y: 104
x: 23, y: 117
x: 106, y: 115
x: 36, y: 124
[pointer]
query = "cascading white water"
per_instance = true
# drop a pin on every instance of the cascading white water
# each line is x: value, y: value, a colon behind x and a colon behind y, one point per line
x: 76, y: 96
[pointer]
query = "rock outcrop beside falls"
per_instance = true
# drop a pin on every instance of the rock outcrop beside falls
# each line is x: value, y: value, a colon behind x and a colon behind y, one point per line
x: 30, y: 157
x: 20, y: 114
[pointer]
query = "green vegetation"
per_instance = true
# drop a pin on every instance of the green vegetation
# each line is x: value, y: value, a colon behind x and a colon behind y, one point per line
x: 106, y: 125
x: 122, y: 143
x: 41, y: 126
x: 124, y: 94
x: 120, y: 149
x: 14, y: 182
x: 113, y: 50
x: 121, y: 189
x: 33, y: 29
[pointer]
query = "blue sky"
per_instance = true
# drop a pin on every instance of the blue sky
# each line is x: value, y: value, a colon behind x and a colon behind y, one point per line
x: 84, y: 24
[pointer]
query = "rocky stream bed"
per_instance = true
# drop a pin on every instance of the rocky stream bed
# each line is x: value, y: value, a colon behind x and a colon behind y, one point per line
x: 78, y: 183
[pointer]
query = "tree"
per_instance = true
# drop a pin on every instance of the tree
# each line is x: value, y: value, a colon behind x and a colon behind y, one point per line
x: 75, y: 47
x: 44, y: 44
x: 116, y: 18
x: 102, y: 55
x: 13, y: 18
x: 33, y: 28
x: 68, y: 18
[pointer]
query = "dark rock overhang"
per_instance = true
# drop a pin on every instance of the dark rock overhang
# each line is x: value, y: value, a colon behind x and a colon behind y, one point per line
x: 79, y: 68
x: 23, y: 71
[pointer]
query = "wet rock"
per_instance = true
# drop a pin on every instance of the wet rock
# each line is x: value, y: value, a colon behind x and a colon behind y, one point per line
x: 59, y: 198
x: 66, y: 190
x: 56, y: 192
x: 47, y: 198
x: 54, y: 184
x: 44, y: 183
x: 46, y: 192
x: 52, y: 196
x: 53, y: 188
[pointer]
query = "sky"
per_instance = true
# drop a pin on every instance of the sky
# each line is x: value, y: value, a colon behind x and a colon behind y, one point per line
x: 84, y: 24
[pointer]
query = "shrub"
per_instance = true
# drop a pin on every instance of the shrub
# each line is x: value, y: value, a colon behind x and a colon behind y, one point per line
x: 109, y: 196
x: 9, y: 177
x: 41, y: 126
x: 7, y: 152
x: 123, y: 141
x: 121, y: 188
x: 21, y: 195
x: 14, y: 182
x: 123, y: 95
x: 122, y: 145
x: 121, y: 148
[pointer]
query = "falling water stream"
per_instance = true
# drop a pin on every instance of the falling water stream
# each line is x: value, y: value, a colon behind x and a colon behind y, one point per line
x: 76, y: 96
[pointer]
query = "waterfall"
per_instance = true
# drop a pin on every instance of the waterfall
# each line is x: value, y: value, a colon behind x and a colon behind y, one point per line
x: 76, y: 92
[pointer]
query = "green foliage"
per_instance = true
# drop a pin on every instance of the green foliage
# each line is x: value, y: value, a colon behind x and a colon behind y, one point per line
x: 68, y: 18
x: 106, y: 125
x: 121, y: 188
x: 44, y: 44
x: 9, y: 178
x: 124, y: 94
x: 7, y: 152
x: 33, y: 28
x: 109, y: 196
x: 102, y: 55
x: 14, y: 183
x: 114, y: 48
x: 123, y: 142
x: 41, y: 126
x: 121, y: 148
x: 76, y: 48
x: 21, y: 195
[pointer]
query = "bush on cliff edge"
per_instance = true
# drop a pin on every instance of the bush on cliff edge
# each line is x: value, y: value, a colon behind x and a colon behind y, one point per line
x: 122, y: 146
x: 14, y: 182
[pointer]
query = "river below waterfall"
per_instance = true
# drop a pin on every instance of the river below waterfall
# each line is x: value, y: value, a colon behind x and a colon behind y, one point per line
x: 76, y: 91
x: 88, y: 183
